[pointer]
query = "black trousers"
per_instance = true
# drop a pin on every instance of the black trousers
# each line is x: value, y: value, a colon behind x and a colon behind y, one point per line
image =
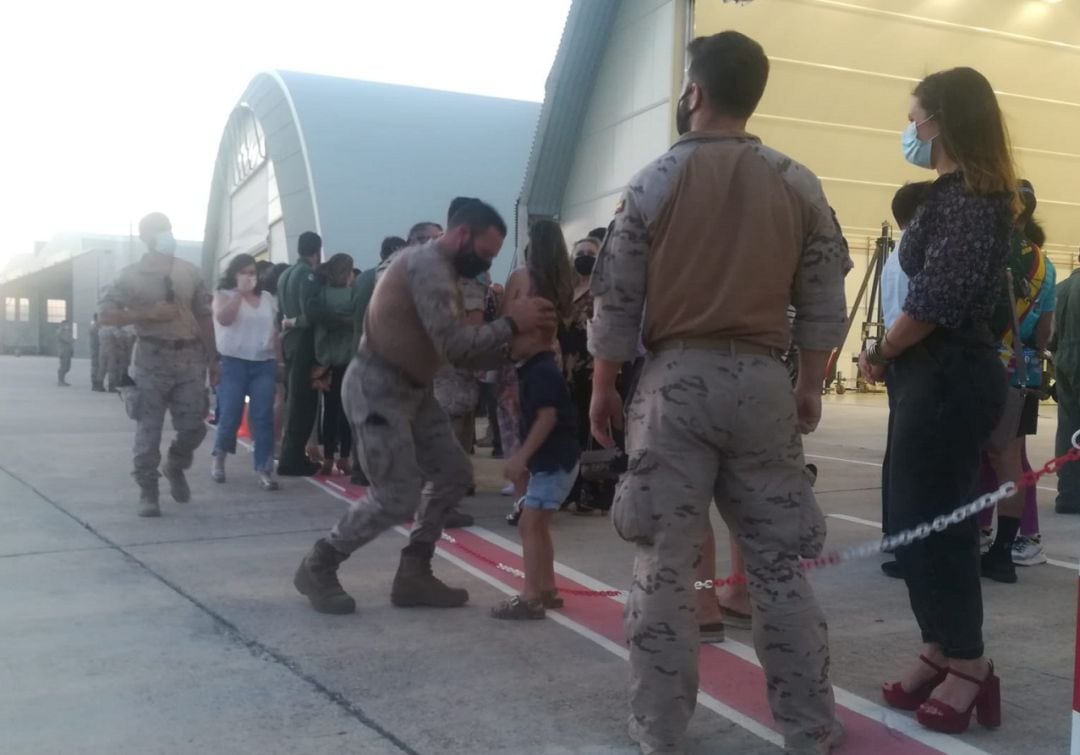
x: 301, y: 400
x: 949, y: 391
x: 336, y: 431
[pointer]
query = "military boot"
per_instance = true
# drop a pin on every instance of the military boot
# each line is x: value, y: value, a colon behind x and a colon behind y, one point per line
x: 148, y: 500
x: 178, y: 484
x: 415, y: 585
x: 316, y: 577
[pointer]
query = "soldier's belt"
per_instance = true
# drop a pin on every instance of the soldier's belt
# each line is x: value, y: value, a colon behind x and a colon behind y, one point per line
x: 732, y: 346
x: 171, y: 343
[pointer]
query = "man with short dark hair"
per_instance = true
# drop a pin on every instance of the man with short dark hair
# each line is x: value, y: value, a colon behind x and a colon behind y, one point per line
x: 423, y: 232
x: 295, y: 288
x: 414, y: 324
x: 713, y: 415
x: 166, y: 302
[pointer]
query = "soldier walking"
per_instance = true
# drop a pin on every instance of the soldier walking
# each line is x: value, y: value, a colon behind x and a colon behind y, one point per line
x: 66, y: 338
x: 711, y: 243
x: 167, y: 303
x: 414, y: 323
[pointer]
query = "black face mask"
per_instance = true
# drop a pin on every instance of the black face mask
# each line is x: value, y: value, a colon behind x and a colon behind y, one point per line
x: 682, y: 114
x: 584, y: 264
x: 469, y: 264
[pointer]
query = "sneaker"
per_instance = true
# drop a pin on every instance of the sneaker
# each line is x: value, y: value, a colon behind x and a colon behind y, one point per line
x: 986, y: 539
x: 267, y: 482
x: 507, y: 489
x: 513, y: 517
x: 217, y: 468
x: 1028, y: 551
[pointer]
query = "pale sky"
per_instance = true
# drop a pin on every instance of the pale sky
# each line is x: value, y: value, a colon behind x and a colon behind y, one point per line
x: 115, y: 108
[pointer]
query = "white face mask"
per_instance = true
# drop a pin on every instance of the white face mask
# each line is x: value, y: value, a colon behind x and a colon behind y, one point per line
x: 245, y: 283
x: 165, y: 243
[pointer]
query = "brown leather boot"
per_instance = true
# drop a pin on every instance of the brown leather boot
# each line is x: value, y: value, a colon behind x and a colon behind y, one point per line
x: 316, y: 577
x: 415, y: 585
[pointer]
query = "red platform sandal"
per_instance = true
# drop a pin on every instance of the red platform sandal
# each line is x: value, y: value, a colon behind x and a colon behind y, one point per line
x: 897, y: 697
x: 937, y: 716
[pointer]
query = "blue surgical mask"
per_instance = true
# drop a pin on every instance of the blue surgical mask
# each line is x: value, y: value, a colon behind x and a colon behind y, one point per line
x: 916, y: 151
x: 165, y: 243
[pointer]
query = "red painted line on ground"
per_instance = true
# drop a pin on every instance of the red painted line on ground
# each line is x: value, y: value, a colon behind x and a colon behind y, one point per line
x: 733, y: 681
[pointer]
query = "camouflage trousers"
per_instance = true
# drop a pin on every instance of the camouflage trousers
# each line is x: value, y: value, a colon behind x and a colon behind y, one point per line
x: 702, y: 426
x: 169, y: 376
x: 402, y: 437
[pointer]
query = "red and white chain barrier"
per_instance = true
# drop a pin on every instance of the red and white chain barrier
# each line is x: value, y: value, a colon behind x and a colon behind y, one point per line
x: 864, y: 550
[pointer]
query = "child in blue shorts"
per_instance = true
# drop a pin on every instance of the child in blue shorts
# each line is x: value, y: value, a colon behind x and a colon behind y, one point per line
x: 548, y: 459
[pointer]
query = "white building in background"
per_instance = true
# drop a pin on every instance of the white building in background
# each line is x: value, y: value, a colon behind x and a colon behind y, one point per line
x: 841, y: 77
x: 356, y: 161
x: 64, y: 278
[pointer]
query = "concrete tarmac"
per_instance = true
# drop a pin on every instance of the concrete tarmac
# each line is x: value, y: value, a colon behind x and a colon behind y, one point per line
x: 184, y: 634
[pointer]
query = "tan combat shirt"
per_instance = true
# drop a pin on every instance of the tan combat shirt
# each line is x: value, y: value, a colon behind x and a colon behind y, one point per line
x: 714, y: 240
x: 140, y: 288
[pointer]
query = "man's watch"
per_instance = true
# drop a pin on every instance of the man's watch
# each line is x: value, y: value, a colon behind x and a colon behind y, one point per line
x: 514, y: 329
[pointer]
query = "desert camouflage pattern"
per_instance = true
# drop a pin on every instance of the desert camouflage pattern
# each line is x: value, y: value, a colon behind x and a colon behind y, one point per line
x: 169, y: 376
x: 711, y: 424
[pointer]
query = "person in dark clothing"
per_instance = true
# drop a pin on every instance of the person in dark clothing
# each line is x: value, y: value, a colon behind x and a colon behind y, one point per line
x: 331, y: 311
x: 296, y: 286
x: 97, y: 373
x: 1065, y: 346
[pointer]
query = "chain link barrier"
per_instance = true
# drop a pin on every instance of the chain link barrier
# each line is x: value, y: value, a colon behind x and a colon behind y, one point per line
x: 837, y: 557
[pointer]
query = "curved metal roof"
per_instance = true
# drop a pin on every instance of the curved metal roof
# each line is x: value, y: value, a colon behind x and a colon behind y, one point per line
x: 359, y: 160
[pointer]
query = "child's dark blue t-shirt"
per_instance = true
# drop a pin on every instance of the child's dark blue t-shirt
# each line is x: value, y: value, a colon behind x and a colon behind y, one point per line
x: 541, y: 384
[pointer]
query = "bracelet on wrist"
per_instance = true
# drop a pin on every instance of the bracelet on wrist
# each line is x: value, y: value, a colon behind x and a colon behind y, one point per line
x: 875, y: 357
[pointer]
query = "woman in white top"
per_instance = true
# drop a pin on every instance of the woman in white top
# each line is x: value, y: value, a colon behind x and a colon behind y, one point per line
x: 245, y: 326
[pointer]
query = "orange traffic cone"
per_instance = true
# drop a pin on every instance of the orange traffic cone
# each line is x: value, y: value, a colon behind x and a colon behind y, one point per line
x: 244, y: 432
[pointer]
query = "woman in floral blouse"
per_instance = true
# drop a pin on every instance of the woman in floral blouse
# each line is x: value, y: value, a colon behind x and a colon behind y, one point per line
x: 949, y: 387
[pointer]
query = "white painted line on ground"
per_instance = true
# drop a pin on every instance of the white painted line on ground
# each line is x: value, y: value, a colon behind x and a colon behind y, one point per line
x: 849, y: 700
x: 878, y: 465
x: 707, y: 701
x: 855, y: 520
x: 890, y: 718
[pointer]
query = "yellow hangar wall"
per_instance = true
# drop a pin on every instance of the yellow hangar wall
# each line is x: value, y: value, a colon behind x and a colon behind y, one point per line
x: 842, y: 74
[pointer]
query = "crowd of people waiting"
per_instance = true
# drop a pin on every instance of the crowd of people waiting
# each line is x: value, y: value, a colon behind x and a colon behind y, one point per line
x: 286, y: 335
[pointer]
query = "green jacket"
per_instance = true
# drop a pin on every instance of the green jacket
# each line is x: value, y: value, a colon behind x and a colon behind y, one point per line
x: 296, y: 287
x: 332, y: 311
x: 364, y: 287
x: 1065, y: 342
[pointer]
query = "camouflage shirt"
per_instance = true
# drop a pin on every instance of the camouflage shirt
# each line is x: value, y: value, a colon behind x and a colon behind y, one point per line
x: 716, y: 239
x: 140, y: 286
x: 416, y: 318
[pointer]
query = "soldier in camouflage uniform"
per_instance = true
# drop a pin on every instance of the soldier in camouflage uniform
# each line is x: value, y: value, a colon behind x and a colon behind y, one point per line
x: 167, y: 302
x: 710, y: 245
x: 414, y: 323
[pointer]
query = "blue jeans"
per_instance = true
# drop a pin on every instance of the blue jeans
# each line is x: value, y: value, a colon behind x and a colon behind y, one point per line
x: 240, y: 378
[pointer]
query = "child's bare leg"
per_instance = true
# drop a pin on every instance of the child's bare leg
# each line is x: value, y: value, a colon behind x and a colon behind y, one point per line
x: 534, y: 551
x: 547, y: 583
